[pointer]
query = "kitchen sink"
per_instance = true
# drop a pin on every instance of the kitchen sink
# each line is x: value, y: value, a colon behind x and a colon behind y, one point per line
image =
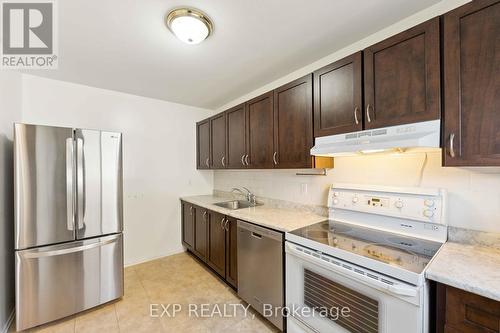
x: 237, y: 204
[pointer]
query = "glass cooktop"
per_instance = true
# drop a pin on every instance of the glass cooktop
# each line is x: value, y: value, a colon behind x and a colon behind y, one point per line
x: 409, y: 253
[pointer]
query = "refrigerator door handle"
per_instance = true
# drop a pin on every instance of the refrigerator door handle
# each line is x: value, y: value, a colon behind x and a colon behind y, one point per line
x: 52, y: 253
x: 80, y: 174
x: 70, y: 210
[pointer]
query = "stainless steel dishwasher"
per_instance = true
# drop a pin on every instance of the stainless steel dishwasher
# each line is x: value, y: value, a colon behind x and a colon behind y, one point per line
x: 260, y: 269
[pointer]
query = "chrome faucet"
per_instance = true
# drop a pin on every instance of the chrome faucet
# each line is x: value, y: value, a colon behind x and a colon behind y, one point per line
x: 249, y: 195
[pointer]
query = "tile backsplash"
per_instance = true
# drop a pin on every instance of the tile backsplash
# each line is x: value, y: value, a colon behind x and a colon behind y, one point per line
x: 473, y: 193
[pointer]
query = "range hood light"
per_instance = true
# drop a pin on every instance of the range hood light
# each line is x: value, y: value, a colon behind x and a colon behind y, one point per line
x: 372, y: 151
x: 375, y: 151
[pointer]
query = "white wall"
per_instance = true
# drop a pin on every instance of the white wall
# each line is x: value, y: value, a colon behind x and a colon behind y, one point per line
x: 411, y: 21
x: 159, y: 155
x: 10, y: 111
x: 474, y: 193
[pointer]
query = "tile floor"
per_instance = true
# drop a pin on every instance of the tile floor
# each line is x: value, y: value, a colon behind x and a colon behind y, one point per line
x: 177, y: 279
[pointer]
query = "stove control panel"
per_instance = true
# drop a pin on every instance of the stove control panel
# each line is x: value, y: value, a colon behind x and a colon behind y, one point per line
x: 426, y: 205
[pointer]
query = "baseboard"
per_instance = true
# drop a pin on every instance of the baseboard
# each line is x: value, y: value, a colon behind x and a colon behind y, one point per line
x: 177, y: 251
x: 5, y: 329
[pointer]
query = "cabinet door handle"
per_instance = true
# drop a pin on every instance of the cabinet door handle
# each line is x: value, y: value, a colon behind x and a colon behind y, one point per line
x: 226, y: 225
x: 243, y: 159
x: 222, y: 223
x: 206, y: 163
x: 356, y: 109
x: 190, y: 210
x: 452, y: 145
x: 246, y: 160
x: 368, y: 113
x: 222, y: 160
x: 274, y: 158
x: 205, y: 215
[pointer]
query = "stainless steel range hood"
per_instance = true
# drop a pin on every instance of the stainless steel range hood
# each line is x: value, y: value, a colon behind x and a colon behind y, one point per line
x: 423, y: 136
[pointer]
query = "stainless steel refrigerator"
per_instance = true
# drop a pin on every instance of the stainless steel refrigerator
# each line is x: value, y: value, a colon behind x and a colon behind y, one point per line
x: 68, y: 221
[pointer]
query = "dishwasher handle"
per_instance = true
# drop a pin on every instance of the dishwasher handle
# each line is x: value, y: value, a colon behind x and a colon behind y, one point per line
x: 259, y: 232
x: 256, y: 235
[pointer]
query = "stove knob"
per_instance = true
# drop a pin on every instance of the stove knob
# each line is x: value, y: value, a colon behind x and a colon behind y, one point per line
x: 355, y: 199
x: 335, y: 194
x: 335, y: 201
x: 399, y: 204
x: 429, y: 203
x: 428, y: 213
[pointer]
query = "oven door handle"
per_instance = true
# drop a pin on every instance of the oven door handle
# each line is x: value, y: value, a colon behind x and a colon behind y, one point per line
x: 394, y: 289
x: 304, y: 324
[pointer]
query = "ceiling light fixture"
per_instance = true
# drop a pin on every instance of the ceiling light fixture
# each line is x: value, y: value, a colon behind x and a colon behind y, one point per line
x: 189, y: 25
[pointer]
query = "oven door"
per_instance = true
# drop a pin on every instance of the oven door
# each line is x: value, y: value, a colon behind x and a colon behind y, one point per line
x: 325, y: 294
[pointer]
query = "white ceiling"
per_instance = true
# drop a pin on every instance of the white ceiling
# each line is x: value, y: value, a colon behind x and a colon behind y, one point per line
x: 124, y: 45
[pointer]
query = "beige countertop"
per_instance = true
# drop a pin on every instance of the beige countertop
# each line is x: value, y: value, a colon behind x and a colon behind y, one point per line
x: 469, y: 267
x: 282, y: 219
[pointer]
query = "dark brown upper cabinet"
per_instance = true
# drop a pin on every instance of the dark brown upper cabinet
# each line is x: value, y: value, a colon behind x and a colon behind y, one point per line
x: 293, y: 124
x: 203, y: 144
x: 471, y: 59
x: 402, y: 77
x: 218, y: 141
x: 260, y: 131
x: 236, y: 137
x: 338, y: 99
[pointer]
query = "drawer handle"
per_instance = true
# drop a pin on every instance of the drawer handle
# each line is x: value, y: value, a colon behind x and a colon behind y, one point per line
x: 206, y: 163
x: 243, y: 159
x: 222, y: 160
x: 246, y: 160
x: 274, y: 158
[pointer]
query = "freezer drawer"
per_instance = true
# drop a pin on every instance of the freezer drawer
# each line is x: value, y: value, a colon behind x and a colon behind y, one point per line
x: 57, y: 281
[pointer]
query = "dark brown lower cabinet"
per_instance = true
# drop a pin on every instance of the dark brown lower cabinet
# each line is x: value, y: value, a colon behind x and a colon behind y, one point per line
x: 211, y: 237
x: 459, y: 311
x: 231, y: 252
x: 217, y: 243
x: 200, y: 233
x: 188, y: 225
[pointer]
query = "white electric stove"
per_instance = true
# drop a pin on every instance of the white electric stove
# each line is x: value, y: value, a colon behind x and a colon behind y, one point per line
x: 362, y: 269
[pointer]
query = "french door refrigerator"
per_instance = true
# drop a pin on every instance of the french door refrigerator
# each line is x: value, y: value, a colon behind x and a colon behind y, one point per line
x: 68, y: 221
